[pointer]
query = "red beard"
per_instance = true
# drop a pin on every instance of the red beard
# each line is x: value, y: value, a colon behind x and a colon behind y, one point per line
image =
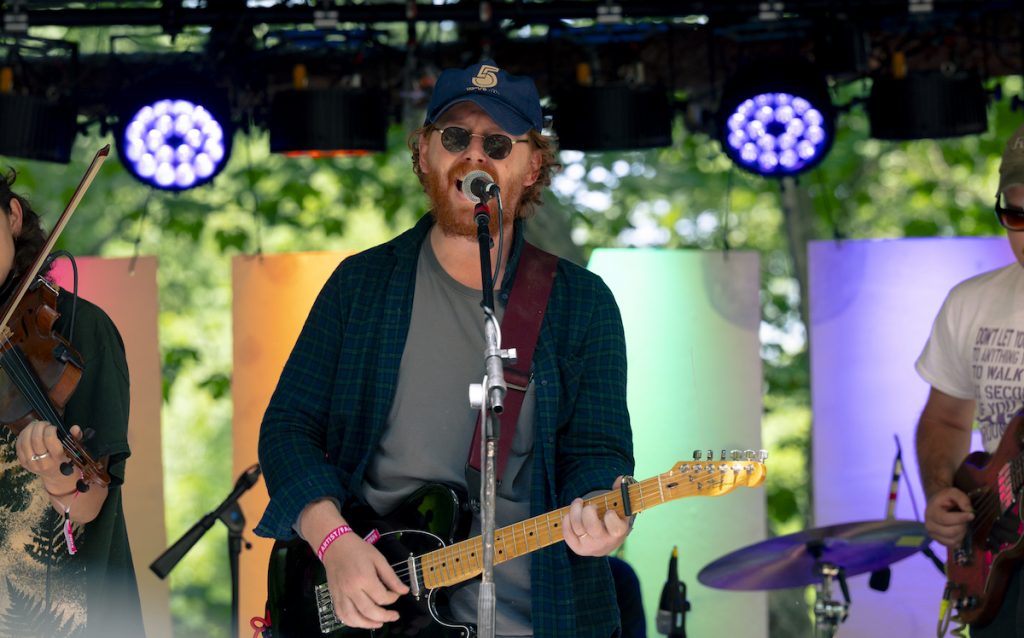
x: 455, y: 219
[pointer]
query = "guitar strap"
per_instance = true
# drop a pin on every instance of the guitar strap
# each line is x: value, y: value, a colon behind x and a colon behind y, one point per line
x: 520, y: 327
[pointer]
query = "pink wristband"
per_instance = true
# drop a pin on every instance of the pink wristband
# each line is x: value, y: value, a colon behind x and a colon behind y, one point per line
x: 335, y: 534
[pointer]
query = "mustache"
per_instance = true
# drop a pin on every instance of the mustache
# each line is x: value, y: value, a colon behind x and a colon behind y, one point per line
x: 459, y: 171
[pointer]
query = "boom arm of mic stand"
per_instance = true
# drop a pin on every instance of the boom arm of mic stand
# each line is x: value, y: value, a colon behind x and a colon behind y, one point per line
x: 166, y: 561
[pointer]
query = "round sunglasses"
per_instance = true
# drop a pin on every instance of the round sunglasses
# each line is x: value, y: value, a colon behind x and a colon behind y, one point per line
x: 456, y: 139
x: 1010, y: 217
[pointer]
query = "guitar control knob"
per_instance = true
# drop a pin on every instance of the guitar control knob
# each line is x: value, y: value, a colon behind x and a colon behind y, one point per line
x: 696, y: 455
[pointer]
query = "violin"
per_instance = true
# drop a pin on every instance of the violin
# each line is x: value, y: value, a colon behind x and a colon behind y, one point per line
x: 42, y: 368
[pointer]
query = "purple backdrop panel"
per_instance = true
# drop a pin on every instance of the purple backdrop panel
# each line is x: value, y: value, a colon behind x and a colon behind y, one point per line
x: 872, y: 304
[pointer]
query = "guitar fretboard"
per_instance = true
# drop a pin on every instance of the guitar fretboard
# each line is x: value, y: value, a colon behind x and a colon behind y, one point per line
x: 464, y: 560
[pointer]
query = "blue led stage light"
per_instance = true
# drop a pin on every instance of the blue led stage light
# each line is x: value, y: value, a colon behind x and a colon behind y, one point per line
x: 776, y: 120
x: 175, y: 141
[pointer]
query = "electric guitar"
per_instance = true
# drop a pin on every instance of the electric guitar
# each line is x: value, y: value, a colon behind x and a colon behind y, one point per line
x: 978, y: 572
x: 418, y: 539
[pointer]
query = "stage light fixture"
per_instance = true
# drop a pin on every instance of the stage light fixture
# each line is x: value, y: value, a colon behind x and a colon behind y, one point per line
x: 612, y: 118
x: 328, y: 122
x: 776, y: 118
x: 175, y: 139
x: 927, y: 105
x: 35, y: 128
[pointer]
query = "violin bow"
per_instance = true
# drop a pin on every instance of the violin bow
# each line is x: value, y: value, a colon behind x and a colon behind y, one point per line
x: 58, y: 228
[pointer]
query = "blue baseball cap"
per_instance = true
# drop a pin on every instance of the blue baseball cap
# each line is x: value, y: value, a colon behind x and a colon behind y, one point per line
x: 511, y: 100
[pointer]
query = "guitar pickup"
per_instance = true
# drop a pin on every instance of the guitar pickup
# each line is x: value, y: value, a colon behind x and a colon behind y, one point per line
x: 414, y: 577
x: 962, y: 555
x: 1007, y: 493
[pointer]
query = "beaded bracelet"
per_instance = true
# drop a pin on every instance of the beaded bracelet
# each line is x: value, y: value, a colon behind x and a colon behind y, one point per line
x: 334, y: 535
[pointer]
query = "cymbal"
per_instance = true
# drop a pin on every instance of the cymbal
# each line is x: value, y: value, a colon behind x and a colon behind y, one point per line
x: 791, y: 560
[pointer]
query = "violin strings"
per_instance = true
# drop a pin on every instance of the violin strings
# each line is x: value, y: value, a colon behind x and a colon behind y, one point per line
x: 13, y: 362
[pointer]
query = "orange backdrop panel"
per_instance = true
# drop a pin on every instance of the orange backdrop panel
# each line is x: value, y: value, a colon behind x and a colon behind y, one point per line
x: 127, y: 291
x: 272, y: 296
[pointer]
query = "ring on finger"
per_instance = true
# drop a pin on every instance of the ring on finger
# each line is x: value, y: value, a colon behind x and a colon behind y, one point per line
x: 40, y: 457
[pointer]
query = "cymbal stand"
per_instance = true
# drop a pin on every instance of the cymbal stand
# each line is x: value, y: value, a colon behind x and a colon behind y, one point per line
x: 828, y: 613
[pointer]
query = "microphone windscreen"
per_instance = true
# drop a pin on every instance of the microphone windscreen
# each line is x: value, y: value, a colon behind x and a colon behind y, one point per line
x: 470, y: 179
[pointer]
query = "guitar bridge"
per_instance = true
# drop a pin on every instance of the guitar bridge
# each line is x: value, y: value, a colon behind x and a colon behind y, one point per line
x: 325, y: 610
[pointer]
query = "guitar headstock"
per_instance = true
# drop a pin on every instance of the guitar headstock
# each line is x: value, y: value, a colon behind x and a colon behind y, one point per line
x: 711, y: 477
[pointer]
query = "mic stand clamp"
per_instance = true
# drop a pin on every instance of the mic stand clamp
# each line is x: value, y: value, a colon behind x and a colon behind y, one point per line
x: 488, y: 397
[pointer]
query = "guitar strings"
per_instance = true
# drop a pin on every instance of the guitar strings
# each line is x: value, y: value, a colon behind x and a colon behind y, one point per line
x: 637, y: 491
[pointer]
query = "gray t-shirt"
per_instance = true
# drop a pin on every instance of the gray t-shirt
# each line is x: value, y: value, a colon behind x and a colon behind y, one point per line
x: 431, y: 424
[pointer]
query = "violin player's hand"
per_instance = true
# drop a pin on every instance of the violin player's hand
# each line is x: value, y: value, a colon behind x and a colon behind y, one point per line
x: 40, y: 451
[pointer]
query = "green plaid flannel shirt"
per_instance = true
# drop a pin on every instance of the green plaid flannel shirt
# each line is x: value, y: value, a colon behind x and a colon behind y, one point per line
x: 328, y: 412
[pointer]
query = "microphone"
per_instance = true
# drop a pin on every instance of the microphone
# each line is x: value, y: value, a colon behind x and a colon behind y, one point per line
x: 671, y: 618
x: 479, y: 186
x: 246, y: 480
x: 879, y: 580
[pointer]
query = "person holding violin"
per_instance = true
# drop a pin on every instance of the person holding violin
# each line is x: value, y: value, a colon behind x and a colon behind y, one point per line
x: 64, y: 554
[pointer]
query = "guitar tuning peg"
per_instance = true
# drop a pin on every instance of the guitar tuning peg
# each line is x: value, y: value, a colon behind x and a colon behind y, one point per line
x: 734, y: 455
x: 749, y: 455
x: 723, y: 457
x: 696, y: 455
x: 762, y: 455
x: 711, y: 455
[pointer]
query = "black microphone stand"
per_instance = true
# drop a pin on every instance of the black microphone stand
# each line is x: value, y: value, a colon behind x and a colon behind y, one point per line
x: 231, y: 515
x: 489, y: 398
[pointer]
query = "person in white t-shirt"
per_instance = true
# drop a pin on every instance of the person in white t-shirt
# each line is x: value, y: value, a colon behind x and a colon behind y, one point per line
x: 974, y: 362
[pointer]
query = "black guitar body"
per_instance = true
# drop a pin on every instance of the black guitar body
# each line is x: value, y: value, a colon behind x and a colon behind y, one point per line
x: 297, y: 600
x: 424, y: 540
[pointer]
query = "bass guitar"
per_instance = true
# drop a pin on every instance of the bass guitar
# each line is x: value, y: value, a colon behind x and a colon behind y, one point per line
x: 419, y: 540
x: 978, y: 572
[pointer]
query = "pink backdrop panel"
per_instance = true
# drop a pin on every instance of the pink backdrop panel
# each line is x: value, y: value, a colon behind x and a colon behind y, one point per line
x: 127, y: 290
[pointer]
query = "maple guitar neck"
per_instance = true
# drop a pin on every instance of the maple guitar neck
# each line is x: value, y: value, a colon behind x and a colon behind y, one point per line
x: 464, y: 560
